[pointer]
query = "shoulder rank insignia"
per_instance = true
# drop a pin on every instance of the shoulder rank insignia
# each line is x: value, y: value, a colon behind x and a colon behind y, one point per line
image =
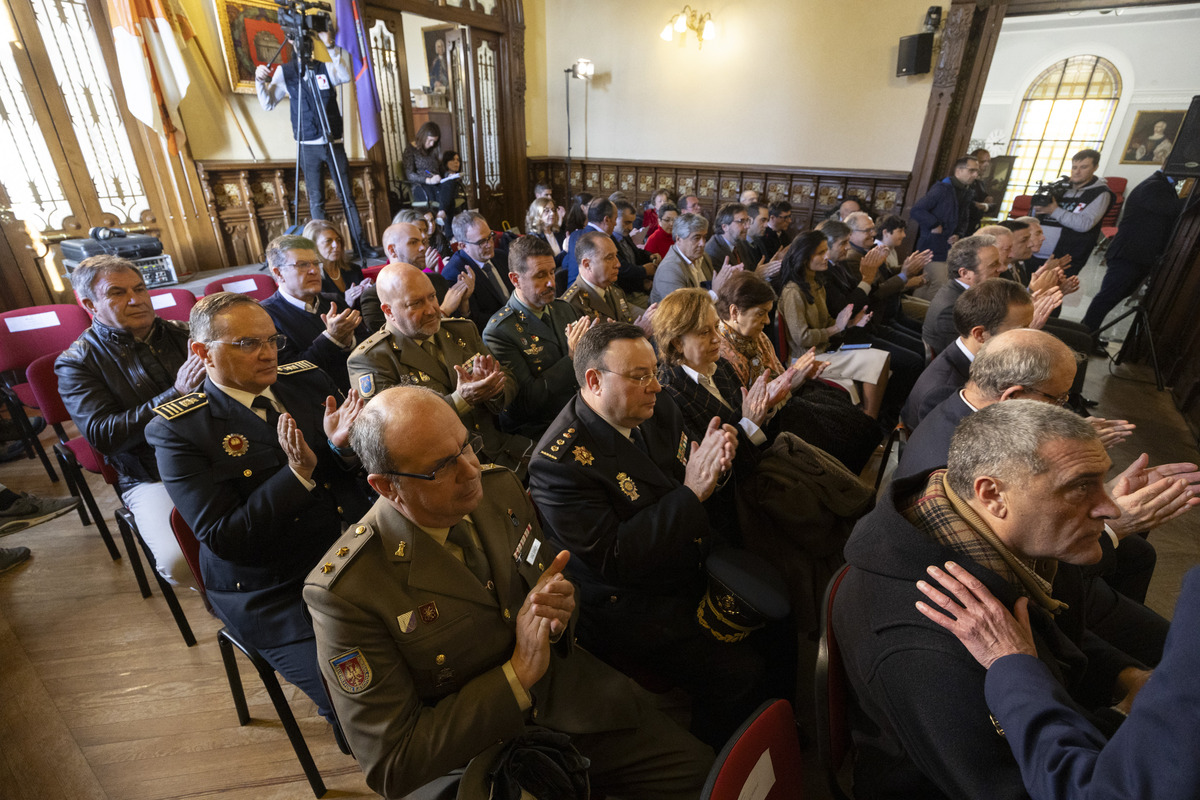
x: 366, y: 384
x: 683, y: 448
x: 352, y: 671
x: 627, y: 485
x: 296, y: 366
x: 177, y: 408
x: 235, y: 444
x: 583, y: 455
x: 553, y: 456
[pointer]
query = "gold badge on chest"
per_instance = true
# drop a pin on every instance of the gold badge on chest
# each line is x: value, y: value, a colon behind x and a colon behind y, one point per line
x: 583, y: 455
x: 627, y: 486
x: 235, y: 444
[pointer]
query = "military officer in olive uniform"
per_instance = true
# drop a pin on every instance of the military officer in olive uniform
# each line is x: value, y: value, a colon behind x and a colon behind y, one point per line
x: 417, y: 346
x: 443, y: 626
x: 258, y: 464
x: 595, y: 292
x: 534, y: 336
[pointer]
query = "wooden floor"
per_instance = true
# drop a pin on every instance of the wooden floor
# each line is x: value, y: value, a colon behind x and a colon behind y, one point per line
x: 100, y: 698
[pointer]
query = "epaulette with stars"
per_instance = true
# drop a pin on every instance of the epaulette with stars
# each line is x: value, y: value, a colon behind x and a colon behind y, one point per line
x: 338, y: 557
x: 181, y: 405
x: 557, y: 449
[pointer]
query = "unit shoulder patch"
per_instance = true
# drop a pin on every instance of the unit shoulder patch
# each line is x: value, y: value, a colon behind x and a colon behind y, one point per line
x: 178, y: 407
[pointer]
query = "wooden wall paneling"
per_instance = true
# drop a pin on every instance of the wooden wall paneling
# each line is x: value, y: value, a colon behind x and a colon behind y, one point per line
x: 609, y: 179
x: 23, y: 281
x: 729, y: 186
x: 707, y: 188
x: 591, y: 180
x: 645, y: 185
x: 666, y: 179
x: 777, y: 187
x: 831, y: 190
x: 685, y: 182
x: 756, y: 181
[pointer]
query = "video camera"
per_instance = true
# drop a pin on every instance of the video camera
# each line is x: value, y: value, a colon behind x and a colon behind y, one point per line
x: 298, y: 24
x: 1047, y: 192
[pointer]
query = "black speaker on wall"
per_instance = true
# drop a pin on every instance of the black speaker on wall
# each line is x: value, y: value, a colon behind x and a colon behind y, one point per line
x: 1184, y: 159
x: 916, y: 54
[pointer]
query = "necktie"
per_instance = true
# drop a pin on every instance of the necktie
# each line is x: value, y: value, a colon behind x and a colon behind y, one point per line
x: 433, y: 351
x: 473, y: 556
x: 638, y: 440
x: 610, y: 299
x: 267, y: 406
x: 494, y: 276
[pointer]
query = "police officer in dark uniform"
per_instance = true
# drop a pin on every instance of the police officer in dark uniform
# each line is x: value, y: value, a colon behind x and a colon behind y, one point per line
x: 259, y: 465
x: 534, y: 336
x: 417, y: 346
x: 619, y: 484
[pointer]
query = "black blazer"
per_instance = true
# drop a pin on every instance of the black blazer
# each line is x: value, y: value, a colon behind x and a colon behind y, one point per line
x: 944, y: 376
x: 305, y: 341
x: 260, y: 530
x: 929, y: 445
x: 938, y: 330
x: 485, y: 300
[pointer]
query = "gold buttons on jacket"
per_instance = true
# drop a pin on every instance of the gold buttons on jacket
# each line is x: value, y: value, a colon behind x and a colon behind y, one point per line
x: 441, y: 659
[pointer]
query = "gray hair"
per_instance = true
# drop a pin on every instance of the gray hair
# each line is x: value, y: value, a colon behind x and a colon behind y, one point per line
x: 278, y: 248
x: 409, y: 215
x: 1017, y: 358
x: 965, y: 253
x: 463, y: 222
x: 83, y: 277
x: 1005, y: 441
x: 687, y: 224
x: 368, y: 435
x: 203, y: 319
x: 861, y: 216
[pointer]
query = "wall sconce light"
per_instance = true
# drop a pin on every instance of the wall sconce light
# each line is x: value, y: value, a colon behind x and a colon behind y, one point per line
x: 690, y: 20
x: 583, y: 69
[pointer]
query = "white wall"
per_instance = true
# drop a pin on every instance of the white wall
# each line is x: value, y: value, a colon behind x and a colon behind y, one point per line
x: 790, y: 82
x: 1153, y: 49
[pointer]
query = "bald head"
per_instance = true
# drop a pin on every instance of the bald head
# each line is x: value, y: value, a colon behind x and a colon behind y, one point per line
x: 412, y: 429
x: 408, y: 300
x: 404, y: 243
x: 1021, y: 364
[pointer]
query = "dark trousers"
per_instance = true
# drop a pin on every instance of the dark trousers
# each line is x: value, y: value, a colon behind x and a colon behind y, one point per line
x: 1120, y: 280
x: 312, y: 158
x: 297, y: 663
x: 1076, y: 337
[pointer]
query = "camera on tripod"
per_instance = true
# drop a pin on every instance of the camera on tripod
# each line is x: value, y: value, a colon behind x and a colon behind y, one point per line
x: 1048, y: 192
x: 299, y: 25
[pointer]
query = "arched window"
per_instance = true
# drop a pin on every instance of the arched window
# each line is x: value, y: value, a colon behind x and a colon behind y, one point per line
x: 1067, y: 108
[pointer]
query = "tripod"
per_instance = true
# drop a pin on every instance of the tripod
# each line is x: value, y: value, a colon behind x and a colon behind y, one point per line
x: 1140, y: 327
x: 309, y: 90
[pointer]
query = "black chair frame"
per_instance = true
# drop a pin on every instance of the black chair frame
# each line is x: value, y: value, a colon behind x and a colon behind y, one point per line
x: 78, y: 487
x: 130, y: 534
x: 829, y: 658
x: 33, y: 446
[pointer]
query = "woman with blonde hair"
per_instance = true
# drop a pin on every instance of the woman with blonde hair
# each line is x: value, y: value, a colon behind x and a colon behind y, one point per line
x: 542, y: 221
x: 339, y: 275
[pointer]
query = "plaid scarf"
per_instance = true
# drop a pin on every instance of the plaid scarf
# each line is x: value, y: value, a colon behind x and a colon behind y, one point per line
x: 951, y: 522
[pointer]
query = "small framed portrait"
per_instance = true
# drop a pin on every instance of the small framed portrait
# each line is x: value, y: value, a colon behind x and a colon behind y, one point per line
x: 437, y: 56
x: 251, y: 36
x: 1152, y: 136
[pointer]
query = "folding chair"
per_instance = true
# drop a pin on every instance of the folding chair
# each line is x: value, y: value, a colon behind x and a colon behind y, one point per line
x: 258, y: 285
x: 897, y: 438
x: 130, y: 534
x: 228, y: 640
x: 769, y: 736
x: 173, y: 304
x: 26, y: 334
x: 832, y: 691
x: 72, y: 454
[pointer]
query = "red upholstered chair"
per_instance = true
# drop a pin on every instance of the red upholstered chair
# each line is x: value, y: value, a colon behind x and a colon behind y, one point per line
x: 1108, y: 224
x: 259, y: 285
x: 373, y: 272
x: 832, y: 693
x: 173, y: 304
x: 26, y: 334
x: 768, y: 739
x: 74, y: 455
x: 1022, y: 204
x: 227, y: 640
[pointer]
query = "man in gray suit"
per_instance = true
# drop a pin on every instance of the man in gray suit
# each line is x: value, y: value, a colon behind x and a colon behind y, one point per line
x: 686, y: 266
x: 417, y: 346
x: 444, y: 627
x: 971, y: 261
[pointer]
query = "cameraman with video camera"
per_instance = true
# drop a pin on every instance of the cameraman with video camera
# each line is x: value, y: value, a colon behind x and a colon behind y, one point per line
x: 316, y: 147
x: 1071, y: 212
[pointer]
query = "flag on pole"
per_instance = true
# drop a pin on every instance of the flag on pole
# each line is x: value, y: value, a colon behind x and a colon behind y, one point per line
x: 352, y: 37
x: 150, y: 38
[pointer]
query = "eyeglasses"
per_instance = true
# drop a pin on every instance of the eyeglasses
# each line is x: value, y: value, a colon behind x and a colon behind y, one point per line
x: 485, y: 240
x: 474, y: 443
x: 304, y: 266
x: 643, y: 381
x: 252, y: 346
x: 1058, y: 400
x: 863, y: 230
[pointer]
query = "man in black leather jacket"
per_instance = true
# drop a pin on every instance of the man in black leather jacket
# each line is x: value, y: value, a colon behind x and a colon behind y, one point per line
x: 113, y: 376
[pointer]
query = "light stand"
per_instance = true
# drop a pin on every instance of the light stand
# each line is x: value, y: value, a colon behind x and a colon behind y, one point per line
x: 1140, y: 327
x: 583, y: 69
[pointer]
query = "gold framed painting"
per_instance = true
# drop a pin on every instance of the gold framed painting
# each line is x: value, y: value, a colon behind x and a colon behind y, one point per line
x: 250, y: 36
x: 1152, y: 136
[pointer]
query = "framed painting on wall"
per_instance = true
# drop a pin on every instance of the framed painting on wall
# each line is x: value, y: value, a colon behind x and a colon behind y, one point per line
x: 251, y: 36
x: 435, y: 56
x: 1152, y: 136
